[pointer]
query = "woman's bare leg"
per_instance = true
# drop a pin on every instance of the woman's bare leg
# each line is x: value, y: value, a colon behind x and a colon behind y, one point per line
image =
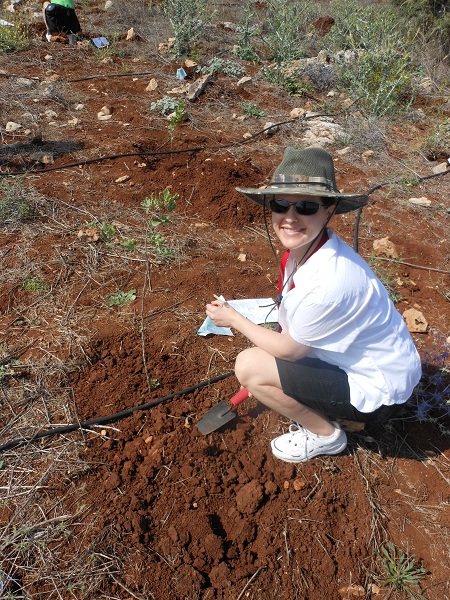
x: 257, y: 371
x: 44, y: 6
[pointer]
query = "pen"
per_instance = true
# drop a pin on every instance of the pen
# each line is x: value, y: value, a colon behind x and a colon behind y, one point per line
x: 225, y: 303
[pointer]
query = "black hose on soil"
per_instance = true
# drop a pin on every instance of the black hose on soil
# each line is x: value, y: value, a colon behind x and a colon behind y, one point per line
x: 110, y: 418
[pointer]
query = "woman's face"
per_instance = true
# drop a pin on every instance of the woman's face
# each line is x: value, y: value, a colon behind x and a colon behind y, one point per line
x: 297, y: 231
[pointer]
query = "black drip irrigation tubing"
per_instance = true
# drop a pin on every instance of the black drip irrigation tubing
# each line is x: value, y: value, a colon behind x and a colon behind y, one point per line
x: 154, y: 152
x: 110, y: 418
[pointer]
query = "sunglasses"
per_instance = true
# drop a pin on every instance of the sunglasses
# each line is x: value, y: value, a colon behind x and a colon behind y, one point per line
x: 280, y: 206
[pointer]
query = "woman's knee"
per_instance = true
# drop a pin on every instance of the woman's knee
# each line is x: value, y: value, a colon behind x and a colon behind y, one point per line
x: 254, y: 366
x: 243, y: 364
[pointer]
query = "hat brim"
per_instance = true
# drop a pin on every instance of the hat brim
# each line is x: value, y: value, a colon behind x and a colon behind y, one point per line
x: 345, y: 202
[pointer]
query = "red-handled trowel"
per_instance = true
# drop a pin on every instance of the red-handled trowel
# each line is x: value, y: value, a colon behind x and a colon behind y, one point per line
x: 220, y: 414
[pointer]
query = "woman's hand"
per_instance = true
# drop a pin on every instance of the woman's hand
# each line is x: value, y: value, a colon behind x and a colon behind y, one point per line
x: 221, y: 313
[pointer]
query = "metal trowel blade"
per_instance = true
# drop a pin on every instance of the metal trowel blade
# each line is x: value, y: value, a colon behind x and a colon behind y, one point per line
x: 216, y: 417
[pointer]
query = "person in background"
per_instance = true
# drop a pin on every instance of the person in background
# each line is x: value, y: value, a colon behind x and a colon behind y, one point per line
x: 342, y: 351
x: 60, y: 18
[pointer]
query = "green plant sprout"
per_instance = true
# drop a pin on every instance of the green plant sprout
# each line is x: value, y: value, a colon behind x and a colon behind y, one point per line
x: 34, y: 284
x: 128, y: 244
x: 108, y: 233
x: 177, y: 116
x: 121, y: 298
x: 165, y: 200
x: 401, y: 570
x: 160, y: 243
x: 250, y: 109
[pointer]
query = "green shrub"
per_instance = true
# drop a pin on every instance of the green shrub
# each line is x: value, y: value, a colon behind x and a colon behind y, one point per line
x: 15, y: 38
x: 222, y: 65
x: 284, y: 34
x: 244, y: 47
x: 188, y: 21
x: 165, y: 105
x: 379, y: 71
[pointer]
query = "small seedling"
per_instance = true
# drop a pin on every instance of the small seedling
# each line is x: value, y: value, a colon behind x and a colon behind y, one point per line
x: 165, y: 200
x: 128, y: 244
x: 108, y: 233
x: 250, y: 109
x: 121, y: 298
x: 401, y: 570
x: 177, y: 117
x: 160, y: 243
x: 34, y: 284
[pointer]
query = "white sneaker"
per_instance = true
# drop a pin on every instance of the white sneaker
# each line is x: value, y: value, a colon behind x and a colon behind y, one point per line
x: 300, y: 444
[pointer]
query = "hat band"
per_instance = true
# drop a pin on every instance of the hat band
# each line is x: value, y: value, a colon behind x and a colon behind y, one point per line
x: 301, y: 181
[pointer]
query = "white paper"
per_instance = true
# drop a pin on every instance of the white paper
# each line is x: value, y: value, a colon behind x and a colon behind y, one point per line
x: 257, y: 310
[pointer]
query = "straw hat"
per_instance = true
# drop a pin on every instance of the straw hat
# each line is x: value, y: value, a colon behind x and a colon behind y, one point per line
x: 309, y: 172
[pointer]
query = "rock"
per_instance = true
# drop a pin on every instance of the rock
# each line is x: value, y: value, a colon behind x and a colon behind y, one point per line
x: 24, y: 82
x: 355, y: 591
x: 46, y: 158
x: 420, y: 201
x: 105, y: 110
x: 415, y: 321
x: 104, y: 114
x: 190, y: 66
x: 166, y: 46
x: 271, y: 128
x: 321, y: 132
x: 242, y: 257
x: 11, y: 126
x: 50, y: 114
x: 244, y: 82
x: 79, y: 106
x: 343, y: 151
x: 440, y: 168
x: 386, y: 247
x: 366, y: 155
x: 297, y: 112
x: 108, y: 4
x: 152, y: 86
x: 122, y: 179
x: 131, y: 35
x: 198, y: 87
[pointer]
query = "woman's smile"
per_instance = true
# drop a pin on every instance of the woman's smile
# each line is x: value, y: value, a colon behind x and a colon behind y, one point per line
x: 296, y: 232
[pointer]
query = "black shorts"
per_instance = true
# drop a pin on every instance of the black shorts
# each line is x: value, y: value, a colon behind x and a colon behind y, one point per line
x: 324, y: 388
x: 60, y: 19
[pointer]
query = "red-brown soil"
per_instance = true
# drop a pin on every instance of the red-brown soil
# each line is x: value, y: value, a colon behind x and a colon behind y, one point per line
x: 159, y: 510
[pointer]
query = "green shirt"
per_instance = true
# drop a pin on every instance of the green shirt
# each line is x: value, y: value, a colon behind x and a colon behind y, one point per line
x: 65, y: 3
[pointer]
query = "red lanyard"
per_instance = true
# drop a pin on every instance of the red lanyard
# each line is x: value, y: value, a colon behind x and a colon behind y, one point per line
x: 284, y: 260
